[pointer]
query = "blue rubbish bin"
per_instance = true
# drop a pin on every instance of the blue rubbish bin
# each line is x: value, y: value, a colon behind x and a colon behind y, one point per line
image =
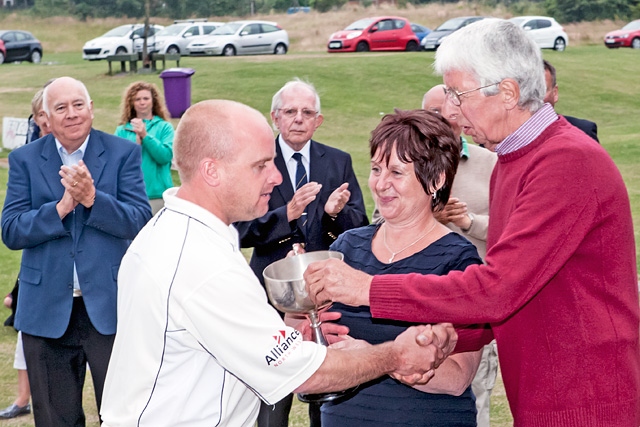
x: 177, y: 89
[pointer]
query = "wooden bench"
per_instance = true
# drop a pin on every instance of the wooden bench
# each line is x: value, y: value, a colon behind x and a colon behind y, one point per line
x: 164, y: 57
x: 132, y: 59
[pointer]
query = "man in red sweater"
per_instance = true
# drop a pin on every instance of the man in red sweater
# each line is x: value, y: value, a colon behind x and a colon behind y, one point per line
x: 559, y: 286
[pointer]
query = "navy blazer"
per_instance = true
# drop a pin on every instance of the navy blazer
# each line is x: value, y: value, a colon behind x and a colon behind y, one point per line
x: 95, y: 238
x: 272, y: 236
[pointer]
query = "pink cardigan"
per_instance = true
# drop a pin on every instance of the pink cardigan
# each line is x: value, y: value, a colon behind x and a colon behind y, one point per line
x: 559, y: 286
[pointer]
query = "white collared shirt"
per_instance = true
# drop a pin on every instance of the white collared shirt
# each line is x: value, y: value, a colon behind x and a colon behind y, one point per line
x: 70, y: 159
x: 292, y: 164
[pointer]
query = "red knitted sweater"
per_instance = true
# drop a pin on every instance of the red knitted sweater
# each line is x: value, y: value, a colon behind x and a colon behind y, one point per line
x: 559, y: 286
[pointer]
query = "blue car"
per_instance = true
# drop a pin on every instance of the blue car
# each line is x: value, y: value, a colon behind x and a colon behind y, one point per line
x: 420, y: 30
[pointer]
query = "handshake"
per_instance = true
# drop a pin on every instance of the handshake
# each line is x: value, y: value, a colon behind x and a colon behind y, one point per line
x: 411, y: 358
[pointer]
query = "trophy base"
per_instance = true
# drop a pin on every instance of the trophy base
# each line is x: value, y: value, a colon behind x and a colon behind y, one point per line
x: 324, y: 397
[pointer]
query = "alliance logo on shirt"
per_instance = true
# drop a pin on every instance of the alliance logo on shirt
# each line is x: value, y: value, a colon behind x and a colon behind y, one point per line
x: 283, y: 348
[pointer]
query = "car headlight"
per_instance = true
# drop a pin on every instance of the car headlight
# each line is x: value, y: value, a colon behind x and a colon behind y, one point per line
x: 625, y: 36
x: 354, y: 35
x: 158, y: 43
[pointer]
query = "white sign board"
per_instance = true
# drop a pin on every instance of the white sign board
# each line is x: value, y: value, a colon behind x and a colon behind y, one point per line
x: 14, y: 132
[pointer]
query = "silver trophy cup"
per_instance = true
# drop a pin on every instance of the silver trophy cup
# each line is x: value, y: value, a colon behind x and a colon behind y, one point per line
x: 287, y: 292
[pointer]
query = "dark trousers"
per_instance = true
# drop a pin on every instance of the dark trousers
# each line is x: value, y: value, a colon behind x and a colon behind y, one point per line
x: 57, y: 368
x: 278, y: 415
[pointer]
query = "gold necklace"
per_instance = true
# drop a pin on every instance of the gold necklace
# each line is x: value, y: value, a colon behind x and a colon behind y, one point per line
x: 393, y: 254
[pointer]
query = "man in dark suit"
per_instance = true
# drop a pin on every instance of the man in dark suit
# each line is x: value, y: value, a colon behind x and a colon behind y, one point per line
x: 313, y: 215
x: 551, y: 96
x: 75, y: 199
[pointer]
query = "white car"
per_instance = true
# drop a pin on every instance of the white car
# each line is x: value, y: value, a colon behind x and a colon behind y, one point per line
x: 242, y: 38
x: 545, y: 31
x: 119, y: 40
x: 175, y: 38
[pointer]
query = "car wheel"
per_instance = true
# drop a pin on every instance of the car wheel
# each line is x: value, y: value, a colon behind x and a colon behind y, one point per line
x: 1, y: 58
x: 412, y: 46
x: 635, y: 43
x: 35, y: 57
x: 173, y: 50
x: 121, y: 50
x: 362, y: 47
x: 280, y: 49
x: 229, y: 50
x: 559, y: 45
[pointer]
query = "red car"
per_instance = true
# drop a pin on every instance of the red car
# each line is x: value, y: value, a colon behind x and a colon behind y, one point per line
x: 628, y: 36
x: 3, y: 52
x: 380, y: 33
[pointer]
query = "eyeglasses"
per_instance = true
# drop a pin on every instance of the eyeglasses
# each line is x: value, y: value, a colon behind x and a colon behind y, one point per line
x: 292, y: 113
x: 454, y: 96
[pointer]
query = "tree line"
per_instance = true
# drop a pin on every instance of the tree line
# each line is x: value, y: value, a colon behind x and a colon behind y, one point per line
x: 565, y: 11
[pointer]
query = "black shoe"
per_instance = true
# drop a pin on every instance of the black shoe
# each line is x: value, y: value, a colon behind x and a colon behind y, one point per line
x: 15, y: 411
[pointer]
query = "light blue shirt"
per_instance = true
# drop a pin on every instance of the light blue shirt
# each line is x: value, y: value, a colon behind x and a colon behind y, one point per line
x: 70, y: 159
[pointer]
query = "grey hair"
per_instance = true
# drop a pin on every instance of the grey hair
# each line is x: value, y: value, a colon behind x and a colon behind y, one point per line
x: 36, y: 102
x: 492, y: 50
x: 47, y: 86
x: 276, y: 102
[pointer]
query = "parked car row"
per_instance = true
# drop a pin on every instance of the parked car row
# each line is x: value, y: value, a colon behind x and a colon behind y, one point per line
x: 175, y: 38
x: 397, y: 33
x: 192, y: 37
x: 199, y: 37
x: 19, y: 46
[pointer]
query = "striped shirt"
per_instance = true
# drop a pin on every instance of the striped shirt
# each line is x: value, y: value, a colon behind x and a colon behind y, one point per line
x: 529, y: 130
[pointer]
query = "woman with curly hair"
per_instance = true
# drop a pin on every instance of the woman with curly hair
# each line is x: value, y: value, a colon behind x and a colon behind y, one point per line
x: 145, y: 121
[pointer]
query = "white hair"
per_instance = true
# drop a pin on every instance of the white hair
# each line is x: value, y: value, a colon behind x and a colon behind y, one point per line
x: 276, y: 102
x: 492, y: 50
x: 45, y: 94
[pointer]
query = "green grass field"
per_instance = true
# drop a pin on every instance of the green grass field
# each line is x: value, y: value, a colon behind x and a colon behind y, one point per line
x: 356, y: 90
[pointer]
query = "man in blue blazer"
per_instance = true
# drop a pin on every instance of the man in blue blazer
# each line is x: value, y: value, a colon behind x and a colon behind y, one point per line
x: 313, y: 215
x: 75, y: 199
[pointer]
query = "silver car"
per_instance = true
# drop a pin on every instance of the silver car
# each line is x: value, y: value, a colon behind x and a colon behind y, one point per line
x: 175, y: 38
x: 242, y: 38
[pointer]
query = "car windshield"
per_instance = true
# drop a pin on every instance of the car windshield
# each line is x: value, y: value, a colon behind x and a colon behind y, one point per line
x: 226, y: 29
x: 171, y: 30
x: 451, y: 24
x: 635, y: 25
x: 360, y: 25
x: 517, y: 21
x: 120, y: 31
